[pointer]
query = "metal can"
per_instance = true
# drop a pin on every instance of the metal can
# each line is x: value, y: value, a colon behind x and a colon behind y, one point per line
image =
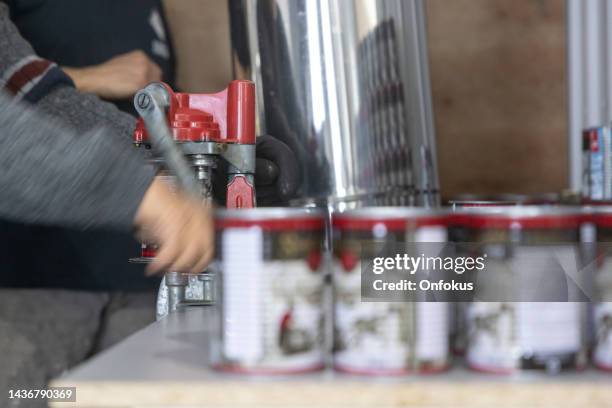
x: 458, y: 309
x: 385, y: 338
x: 520, y: 243
x: 271, y: 282
x: 602, y: 306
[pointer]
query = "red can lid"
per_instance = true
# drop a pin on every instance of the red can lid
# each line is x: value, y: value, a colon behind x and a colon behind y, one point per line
x: 602, y: 215
x: 271, y: 219
x: 392, y: 218
x: 531, y: 217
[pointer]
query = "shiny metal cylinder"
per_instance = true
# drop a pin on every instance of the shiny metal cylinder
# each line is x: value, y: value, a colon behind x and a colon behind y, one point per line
x: 176, y: 296
x: 177, y: 285
x: 208, y: 287
x: 346, y: 85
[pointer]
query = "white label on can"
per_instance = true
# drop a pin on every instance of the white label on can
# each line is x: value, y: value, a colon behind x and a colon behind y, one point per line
x: 292, y: 318
x: 432, y: 330
x: 433, y: 319
x: 372, y: 336
x: 242, y: 274
x: 607, y: 165
x: 378, y: 336
x: 492, y: 344
x: 549, y: 327
x: 588, y: 232
x: 434, y: 233
x: 500, y: 333
x: 602, y: 354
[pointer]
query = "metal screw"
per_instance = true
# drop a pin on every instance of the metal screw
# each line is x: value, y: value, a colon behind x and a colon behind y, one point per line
x: 143, y: 100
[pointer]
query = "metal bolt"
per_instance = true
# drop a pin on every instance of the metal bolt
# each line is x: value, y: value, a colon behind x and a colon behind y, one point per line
x: 143, y: 100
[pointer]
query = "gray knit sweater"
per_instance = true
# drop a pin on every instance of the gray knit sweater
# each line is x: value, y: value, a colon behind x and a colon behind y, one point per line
x: 68, y: 159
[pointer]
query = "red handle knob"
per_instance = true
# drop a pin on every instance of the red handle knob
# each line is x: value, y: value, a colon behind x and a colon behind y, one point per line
x: 241, y: 112
x: 240, y: 193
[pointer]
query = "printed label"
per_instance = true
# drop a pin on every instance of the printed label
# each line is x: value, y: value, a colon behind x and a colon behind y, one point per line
x: 242, y: 277
x: 385, y: 336
x: 549, y: 327
x: 432, y: 330
x: 501, y: 333
x: 436, y: 233
x: 492, y: 343
x: 273, y: 310
x: 602, y: 355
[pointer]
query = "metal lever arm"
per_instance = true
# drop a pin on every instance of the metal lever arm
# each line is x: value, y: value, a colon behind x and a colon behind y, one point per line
x: 151, y: 103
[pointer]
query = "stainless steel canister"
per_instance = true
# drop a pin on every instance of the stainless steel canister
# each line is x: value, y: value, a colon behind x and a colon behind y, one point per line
x: 531, y: 253
x: 271, y: 283
x: 385, y: 338
x: 346, y: 85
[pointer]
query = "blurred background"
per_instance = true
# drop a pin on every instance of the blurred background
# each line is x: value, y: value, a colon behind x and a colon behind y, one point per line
x: 498, y: 76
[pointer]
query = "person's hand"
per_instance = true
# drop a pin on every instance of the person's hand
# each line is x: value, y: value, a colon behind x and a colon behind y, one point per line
x: 277, y: 172
x: 118, y: 78
x: 181, y: 227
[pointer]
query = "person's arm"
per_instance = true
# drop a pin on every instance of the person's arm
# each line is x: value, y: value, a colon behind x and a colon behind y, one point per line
x: 26, y: 77
x: 118, y: 78
x: 60, y: 171
x: 49, y: 175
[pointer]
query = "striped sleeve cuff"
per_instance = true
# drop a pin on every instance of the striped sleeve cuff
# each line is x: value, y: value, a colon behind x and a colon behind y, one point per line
x: 31, y: 78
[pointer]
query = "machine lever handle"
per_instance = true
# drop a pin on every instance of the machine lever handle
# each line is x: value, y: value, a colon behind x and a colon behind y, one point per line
x: 151, y: 103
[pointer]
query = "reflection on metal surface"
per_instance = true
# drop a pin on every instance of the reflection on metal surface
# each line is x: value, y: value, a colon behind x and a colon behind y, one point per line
x: 346, y: 85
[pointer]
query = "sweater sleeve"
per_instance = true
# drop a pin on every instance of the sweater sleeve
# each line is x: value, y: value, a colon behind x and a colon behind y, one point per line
x: 25, y: 76
x: 69, y: 160
x: 51, y: 175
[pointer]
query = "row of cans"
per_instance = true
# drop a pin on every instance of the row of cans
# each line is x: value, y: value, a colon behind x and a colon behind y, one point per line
x: 288, y: 306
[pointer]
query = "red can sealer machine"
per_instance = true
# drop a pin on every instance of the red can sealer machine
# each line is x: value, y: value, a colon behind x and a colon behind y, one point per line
x: 189, y: 135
